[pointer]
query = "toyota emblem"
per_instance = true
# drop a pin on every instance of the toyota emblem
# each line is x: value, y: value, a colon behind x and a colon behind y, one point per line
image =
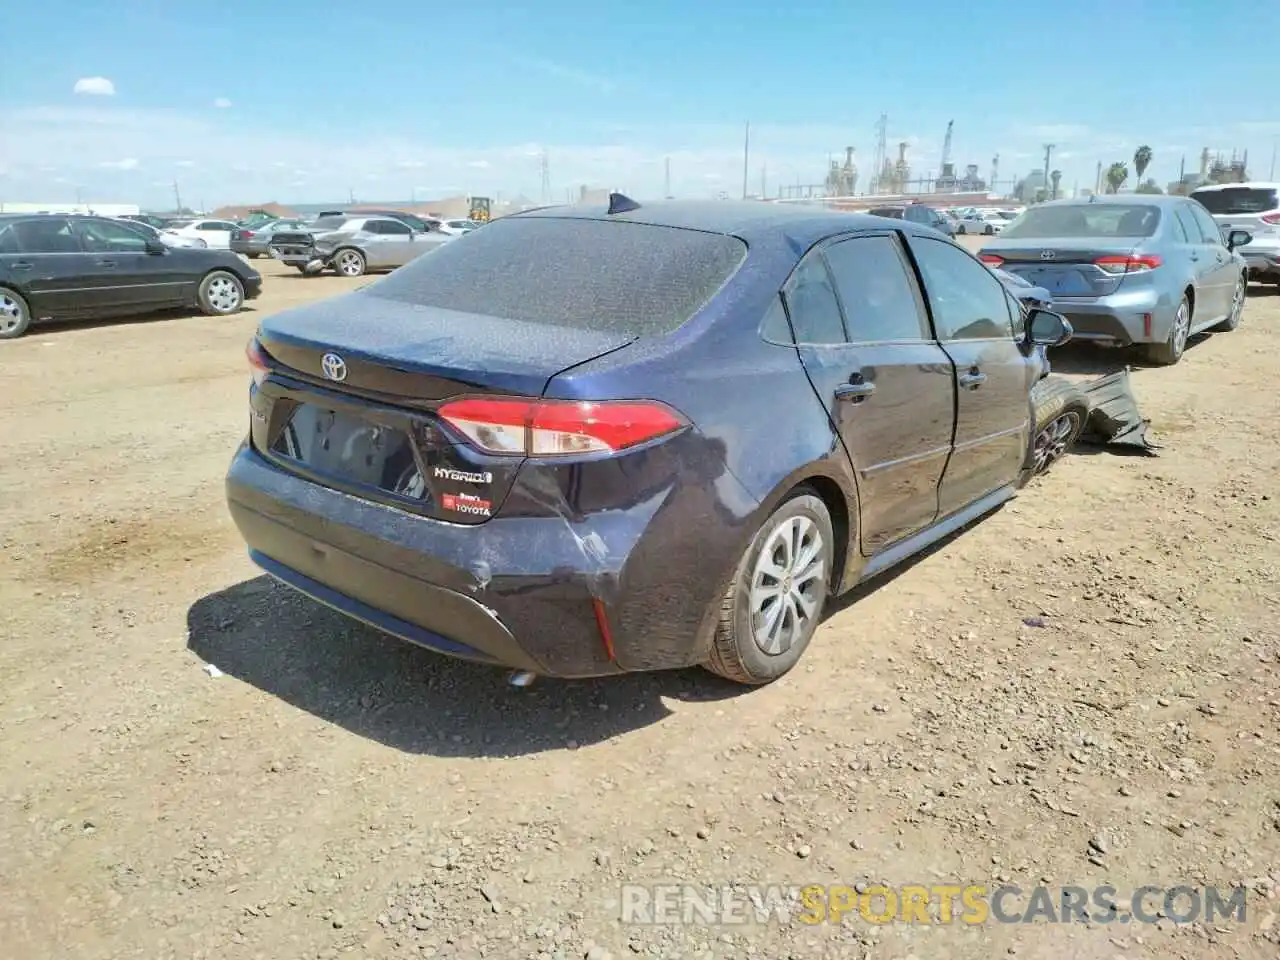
x: 333, y: 367
x: 1048, y: 255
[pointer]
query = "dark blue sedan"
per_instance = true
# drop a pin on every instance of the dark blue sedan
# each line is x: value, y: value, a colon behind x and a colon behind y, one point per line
x: 590, y: 440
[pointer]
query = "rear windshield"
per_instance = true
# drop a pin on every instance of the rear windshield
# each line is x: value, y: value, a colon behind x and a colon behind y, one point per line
x: 1233, y: 201
x: 330, y: 223
x: 895, y: 212
x: 1086, y: 221
x: 612, y: 276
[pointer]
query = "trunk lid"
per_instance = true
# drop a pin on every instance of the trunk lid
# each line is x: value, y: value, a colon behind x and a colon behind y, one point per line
x: 1064, y: 267
x: 354, y: 406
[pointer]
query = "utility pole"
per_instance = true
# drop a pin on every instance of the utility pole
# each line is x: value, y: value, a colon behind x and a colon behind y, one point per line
x: 177, y: 198
x: 1048, y: 158
x: 1272, y: 175
x: 545, y: 163
x: 666, y: 183
x: 746, y: 158
x: 764, y: 168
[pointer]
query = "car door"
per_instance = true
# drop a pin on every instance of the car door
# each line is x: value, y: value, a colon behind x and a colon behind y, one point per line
x: 974, y: 323
x: 47, y: 265
x: 398, y: 242
x: 1221, y: 271
x: 863, y: 336
x: 118, y: 266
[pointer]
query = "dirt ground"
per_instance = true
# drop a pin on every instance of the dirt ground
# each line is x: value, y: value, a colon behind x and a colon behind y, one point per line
x: 1097, y: 663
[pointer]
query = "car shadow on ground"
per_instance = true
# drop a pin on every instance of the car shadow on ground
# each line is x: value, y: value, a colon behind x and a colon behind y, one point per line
x: 411, y: 699
x: 49, y: 327
x: 1088, y: 359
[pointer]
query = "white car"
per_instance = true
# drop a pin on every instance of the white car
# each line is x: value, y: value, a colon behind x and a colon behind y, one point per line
x: 457, y: 227
x: 985, y: 222
x: 216, y: 234
x: 168, y: 239
x: 1253, y: 207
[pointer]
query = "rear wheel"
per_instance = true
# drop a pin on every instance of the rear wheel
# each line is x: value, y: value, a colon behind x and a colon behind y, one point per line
x: 989, y: 231
x: 221, y: 294
x: 773, y: 605
x: 1237, y: 307
x: 349, y: 263
x: 961, y: 230
x: 1170, y: 352
x: 15, y: 315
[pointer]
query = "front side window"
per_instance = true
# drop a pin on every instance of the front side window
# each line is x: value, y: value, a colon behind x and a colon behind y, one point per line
x: 103, y: 236
x: 968, y: 302
x: 1210, y: 232
x: 879, y: 298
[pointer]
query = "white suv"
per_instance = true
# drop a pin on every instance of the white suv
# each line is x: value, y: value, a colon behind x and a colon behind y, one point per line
x: 1255, y: 207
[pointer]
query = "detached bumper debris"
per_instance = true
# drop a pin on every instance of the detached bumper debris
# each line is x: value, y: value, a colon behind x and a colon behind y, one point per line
x: 1114, y: 420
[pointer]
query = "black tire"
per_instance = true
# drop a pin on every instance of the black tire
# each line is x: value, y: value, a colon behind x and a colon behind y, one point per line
x: 15, y: 314
x: 253, y: 256
x: 961, y: 230
x: 1059, y: 412
x: 349, y: 262
x: 735, y: 654
x: 1170, y: 352
x: 221, y: 293
x: 1237, y: 307
x: 989, y: 231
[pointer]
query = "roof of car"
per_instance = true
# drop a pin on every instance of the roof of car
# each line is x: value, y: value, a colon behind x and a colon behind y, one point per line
x: 740, y: 218
x: 1247, y: 184
x: 1152, y: 199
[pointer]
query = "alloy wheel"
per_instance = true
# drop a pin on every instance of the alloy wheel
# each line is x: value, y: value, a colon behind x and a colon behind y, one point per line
x: 1237, y: 302
x: 787, y: 585
x: 1181, y: 329
x: 349, y: 264
x: 224, y: 294
x: 10, y: 314
x: 1052, y: 440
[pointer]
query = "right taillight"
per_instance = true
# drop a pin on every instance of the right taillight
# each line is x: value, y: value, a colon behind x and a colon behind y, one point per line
x: 512, y: 426
x: 259, y: 363
x: 1272, y: 219
x: 990, y: 259
x: 1132, y: 264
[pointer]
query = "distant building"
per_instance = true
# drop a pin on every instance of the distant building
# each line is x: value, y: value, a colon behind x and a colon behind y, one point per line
x: 101, y: 209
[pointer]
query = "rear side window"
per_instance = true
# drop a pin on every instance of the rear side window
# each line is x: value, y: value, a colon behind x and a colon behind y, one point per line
x: 1085, y: 221
x: 812, y: 304
x: 611, y: 276
x: 1235, y: 201
x: 969, y: 303
x: 879, y: 299
x: 50, y: 235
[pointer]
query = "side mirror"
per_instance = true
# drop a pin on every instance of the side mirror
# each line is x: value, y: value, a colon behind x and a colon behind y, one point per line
x: 155, y: 247
x: 1239, y: 238
x: 1048, y: 329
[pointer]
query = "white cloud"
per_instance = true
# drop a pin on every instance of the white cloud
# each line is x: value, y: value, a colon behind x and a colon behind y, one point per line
x: 1053, y: 132
x: 94, y: 87
x: 563, y: 71
x: 222, y: 103
x: 128, y: 163
x: 410, y: 164
x: 479, y: 164
x: 186, y: 164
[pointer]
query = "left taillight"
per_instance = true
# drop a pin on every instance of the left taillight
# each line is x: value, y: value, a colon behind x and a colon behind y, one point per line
x: 510, y: 426
x: 1121, y: 265
x: 259, y: 362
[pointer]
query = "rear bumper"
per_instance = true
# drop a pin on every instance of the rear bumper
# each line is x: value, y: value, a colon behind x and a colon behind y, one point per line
x: 252, y: 287
x: 519, y: 591
x: 1119, y: 319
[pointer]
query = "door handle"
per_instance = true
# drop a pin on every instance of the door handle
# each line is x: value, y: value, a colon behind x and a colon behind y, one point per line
x: 855, y: 392
x: 973, y: 379
x: 106, y: 263
x: 22, y: 265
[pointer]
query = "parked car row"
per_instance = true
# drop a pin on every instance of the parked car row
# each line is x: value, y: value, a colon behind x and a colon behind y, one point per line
x: 352, y: 245
x: 1253, y: 207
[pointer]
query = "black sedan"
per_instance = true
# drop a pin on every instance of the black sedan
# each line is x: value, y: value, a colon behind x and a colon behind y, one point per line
x: 55, y: 267
x: 590, y: 440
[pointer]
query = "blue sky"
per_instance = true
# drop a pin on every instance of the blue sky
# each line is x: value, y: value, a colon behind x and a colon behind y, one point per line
x: 298, y: 102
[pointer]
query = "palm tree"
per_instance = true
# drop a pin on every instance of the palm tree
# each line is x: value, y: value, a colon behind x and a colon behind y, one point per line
x: 1116, y: 175
x: 1141, y: 160
x: 1055, y: 178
